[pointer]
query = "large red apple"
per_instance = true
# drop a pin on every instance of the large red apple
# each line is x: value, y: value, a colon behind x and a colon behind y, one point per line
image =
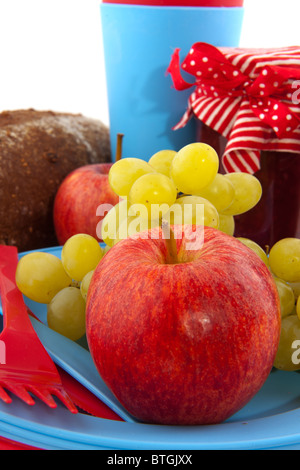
x: 80, y: 201
x: 184, y: 343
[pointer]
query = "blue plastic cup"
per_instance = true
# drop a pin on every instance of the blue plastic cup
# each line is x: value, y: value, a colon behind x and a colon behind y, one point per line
x: 138, y: 44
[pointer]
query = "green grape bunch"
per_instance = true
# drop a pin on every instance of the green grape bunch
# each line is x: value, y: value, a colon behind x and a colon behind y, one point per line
x: 171, y: 187
x: 61, y: 284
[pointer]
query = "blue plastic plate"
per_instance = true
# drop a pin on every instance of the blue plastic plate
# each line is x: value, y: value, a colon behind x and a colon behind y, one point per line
x: 270, y: 420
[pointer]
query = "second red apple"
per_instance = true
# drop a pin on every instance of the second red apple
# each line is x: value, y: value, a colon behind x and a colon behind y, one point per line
x: 80, y: 199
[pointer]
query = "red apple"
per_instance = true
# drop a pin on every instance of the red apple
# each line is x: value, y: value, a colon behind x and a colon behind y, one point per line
x: 80, y: 199
x: 188, y: 341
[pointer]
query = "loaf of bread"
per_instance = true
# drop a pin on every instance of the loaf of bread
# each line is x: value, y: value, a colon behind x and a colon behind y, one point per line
x: 37, y: 151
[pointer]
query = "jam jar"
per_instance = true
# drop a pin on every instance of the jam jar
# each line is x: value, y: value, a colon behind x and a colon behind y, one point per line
x: 277, y: 215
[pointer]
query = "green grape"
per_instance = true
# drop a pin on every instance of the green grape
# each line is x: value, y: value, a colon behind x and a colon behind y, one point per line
x: 194, y: 167
x: 85, y: 284
x: 226, y: 224
x: 80, y: 254
x: 125, y: 172
x: 40, y: 276
x: 248, y: 192
x: 110, y: 223
x: 161, y: 161
x: 193, y: 210
x: 133, y: 225
x: 66, y: 313
x: 256, y: 248
x: 288, y: 353
x: 284, y: 259
x: 296, y: 289
x: 286, y: 296
x: 220, y: 192
x: 155, y: 192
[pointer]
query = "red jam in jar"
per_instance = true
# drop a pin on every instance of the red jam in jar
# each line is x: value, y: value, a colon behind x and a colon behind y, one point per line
x: 277, y: 215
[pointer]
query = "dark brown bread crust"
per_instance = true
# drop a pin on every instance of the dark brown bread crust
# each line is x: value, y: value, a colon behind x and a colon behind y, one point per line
x: 37, y: 151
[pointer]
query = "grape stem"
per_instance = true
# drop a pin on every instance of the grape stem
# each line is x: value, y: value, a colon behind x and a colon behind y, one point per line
x: 119, y: 147
x: 172, y: 256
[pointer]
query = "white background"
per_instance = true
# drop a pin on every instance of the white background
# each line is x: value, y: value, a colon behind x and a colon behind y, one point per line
x: 51, y: 53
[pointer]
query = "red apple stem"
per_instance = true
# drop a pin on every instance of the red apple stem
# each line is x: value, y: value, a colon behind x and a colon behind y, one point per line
x: 172, y: 255
x: 119, y: 147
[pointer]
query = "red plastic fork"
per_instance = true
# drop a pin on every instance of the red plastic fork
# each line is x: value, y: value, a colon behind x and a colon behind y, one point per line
x: 26, y: 369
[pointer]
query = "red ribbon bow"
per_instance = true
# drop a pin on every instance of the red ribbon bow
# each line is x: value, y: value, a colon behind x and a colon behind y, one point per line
x: 248, y: 96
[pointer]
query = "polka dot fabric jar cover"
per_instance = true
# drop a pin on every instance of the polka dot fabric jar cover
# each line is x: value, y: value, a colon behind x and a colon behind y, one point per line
x: 248, y: 96
x: 246, y: 103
